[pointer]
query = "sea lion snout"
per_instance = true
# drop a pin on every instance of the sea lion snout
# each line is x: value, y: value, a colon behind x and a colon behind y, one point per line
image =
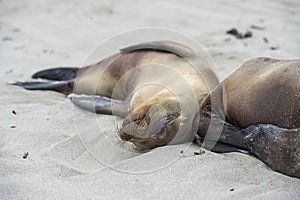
x: 150, y: 126
x: 124, y: 136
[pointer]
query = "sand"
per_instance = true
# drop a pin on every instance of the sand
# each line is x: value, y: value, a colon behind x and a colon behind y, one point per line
x: 72, y: 157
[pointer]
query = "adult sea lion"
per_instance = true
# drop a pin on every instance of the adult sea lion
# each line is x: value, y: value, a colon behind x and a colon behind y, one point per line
x: 263, y: 112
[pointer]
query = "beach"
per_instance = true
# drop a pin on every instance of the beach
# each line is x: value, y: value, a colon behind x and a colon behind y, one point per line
x: 51, y: 149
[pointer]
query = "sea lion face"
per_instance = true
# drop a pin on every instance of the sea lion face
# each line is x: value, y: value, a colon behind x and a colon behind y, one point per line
x: 152, y: 125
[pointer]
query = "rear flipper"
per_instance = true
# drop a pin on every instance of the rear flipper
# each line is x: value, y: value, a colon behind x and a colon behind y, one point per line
x: 100, y: 104
x: 58, y: 74
x: 65, y: 87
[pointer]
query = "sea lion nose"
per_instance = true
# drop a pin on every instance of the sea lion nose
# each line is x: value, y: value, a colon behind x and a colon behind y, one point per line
x: 124, y: 136
x: 126, y: 122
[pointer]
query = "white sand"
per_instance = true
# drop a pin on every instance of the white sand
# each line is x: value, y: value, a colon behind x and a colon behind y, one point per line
x: 40, y: 34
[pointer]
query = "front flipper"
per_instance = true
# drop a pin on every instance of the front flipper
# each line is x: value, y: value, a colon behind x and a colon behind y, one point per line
x: 277, y: 147
x: 230, y: 139
x: 100, y: 104
x: 226, y: 148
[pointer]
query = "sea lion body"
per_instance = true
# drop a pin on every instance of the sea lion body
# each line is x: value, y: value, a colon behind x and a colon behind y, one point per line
x: 152, y: 81
x: 127, y: 77
x: 264, y: 91
x: 262, y: 112
x: 101, y: 78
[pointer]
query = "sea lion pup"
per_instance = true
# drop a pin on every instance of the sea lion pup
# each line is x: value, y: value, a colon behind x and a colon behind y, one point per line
x: 263, y: 112
x: 153, y: 85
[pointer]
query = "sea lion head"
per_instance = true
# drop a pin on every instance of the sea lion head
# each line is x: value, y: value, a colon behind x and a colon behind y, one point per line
x: 152, y: 124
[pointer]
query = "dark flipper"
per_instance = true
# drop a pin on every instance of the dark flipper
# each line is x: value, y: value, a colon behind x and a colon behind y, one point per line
x: 226, y: 148
x: 65, y: 87
x: 222, y: 143
x: 58, y: 74
x: 100, y: 104
x: 277, y: 147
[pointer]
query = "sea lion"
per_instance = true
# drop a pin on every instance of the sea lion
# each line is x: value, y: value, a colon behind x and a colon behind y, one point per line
x: 262, y: 101
x: 155, y: 86
x: 262, y: 112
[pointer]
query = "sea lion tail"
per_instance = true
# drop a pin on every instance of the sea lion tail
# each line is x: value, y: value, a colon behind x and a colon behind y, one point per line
x: 65, y: 87
x: 58, y: 74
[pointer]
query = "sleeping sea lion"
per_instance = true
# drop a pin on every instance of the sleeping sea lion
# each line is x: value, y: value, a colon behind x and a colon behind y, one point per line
x: 155, y: 86
x: 262, y: 107
x: 262, y: 112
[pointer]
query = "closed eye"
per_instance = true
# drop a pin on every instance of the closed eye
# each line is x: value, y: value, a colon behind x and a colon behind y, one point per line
x: 141, y: 117
x: 170, y: 118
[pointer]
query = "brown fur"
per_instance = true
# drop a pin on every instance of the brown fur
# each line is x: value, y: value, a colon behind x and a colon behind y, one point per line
x: 122, y: 76
x: 264, y: 91
x: 262, y: 104
x: 262, y: 112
